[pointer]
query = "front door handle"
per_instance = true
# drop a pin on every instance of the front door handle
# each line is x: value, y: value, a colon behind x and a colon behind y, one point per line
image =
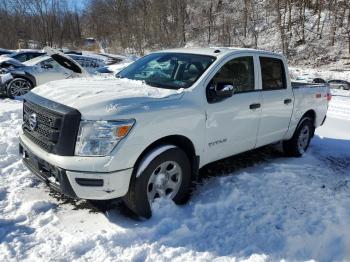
x: 254, y: 106
x: 287, y: 101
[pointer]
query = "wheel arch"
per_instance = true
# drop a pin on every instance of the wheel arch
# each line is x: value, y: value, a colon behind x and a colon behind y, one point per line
x: 311, y: 114
x: 180, y: 141
x: 25, y: 76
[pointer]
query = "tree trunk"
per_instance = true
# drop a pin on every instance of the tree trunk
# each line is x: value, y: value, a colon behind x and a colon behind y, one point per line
x: 245, y: 18
x: 210, y: 21
x: 334, y: 12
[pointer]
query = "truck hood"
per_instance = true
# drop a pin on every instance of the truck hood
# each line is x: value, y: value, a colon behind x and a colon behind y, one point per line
x: 101, y: 98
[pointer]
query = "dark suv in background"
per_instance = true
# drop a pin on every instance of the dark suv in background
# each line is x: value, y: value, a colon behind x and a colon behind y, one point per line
x: 339, y: 84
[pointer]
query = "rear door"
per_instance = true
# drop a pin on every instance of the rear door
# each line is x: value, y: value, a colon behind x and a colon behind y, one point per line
x: 277, y: 100
x: 232, y: 123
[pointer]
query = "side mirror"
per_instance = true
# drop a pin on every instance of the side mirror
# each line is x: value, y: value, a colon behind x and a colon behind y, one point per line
x: 219, y: 91
x: 226, y: 91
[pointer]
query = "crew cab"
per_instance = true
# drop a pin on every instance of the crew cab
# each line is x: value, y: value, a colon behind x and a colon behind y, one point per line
x: 145, y: 134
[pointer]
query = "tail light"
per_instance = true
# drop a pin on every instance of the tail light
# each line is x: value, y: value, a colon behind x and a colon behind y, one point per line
x: 329, y: 96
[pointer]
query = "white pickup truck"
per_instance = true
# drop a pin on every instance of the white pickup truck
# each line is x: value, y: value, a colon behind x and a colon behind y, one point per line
x: 144, y: 134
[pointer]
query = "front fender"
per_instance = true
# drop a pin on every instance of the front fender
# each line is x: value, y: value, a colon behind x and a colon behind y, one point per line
x: 22, y: 74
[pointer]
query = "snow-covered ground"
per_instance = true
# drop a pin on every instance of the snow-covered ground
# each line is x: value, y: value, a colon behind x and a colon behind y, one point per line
x: 259, y: 206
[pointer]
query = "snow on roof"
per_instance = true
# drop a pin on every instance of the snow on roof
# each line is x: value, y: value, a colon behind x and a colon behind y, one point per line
x: 28, y: 50
x: 216, y: 51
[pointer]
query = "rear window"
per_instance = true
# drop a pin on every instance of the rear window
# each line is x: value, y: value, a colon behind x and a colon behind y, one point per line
x: 272, y: 73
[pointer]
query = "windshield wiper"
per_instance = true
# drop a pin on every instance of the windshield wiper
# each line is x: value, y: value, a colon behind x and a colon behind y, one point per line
x: 154, y: 84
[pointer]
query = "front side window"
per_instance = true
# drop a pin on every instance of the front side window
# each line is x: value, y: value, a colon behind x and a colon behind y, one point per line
x: 238, y: 72
x: 168, y: 70
x: 272, y: 73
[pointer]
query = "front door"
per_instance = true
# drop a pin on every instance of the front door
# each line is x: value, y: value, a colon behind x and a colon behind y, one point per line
x: 232, y: 123
x: 50, y: 70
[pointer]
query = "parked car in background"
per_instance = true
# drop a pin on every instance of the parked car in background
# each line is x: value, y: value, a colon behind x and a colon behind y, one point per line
x: 114, y: 59
x: 339, y: 84
x: 20, y: 79
x: 89, y: 63
x: 23, y: 55
x: 70, y: 52
x: 145, y: 134
x: 5, y: 51
x: 319, y: 80
x: 115, y: 68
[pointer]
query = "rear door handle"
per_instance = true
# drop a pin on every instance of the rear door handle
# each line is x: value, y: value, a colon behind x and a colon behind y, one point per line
x: 287, y: 101
x: 254, y: 106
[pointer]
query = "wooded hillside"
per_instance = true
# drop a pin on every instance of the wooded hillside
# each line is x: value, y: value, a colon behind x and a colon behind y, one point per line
x: 288, y: 26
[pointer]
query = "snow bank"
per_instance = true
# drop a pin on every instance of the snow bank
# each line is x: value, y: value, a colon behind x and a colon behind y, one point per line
x: 340, y: 108
x: 318, y: 73
x: 257, y: 207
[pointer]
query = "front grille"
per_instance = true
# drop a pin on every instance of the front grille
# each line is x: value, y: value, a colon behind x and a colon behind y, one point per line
x: 43, y: 144
x: 50, y: 125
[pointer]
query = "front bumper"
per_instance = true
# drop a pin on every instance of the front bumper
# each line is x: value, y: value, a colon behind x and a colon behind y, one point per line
x: 75, y: 184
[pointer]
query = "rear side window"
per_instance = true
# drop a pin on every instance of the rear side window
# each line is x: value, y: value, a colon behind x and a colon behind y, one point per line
x: 272, y: 73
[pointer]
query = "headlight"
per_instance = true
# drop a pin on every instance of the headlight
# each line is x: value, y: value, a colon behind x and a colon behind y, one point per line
x: 98, y: 138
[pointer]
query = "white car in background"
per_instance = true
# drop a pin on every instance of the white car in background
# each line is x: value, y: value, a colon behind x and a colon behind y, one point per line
x: 23, y: 55
x: 19, y: 79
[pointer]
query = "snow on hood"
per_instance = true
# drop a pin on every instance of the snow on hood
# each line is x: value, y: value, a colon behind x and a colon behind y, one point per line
x: 116, y: 68
x: 91, y: 95
x: 11, y: 60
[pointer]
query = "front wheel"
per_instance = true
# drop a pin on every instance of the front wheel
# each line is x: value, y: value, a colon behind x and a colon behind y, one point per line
x: 300, y: 141
x: 166, y: 176
x: 18, y: 87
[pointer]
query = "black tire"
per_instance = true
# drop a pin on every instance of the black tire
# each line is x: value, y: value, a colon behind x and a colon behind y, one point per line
x: 18, y: 87
x: 137, y: 199
x: 292, y: 147
x: 341, y: 87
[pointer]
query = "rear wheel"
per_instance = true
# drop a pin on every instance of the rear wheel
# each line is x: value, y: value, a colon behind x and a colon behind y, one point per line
x: 18, y: 87
x: 300, y: 141
x: 167, y: 176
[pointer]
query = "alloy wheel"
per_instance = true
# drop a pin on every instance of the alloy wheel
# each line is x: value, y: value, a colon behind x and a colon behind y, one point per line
x: 19, y: 87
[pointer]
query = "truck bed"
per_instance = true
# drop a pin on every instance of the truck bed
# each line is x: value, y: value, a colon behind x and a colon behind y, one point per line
x: 307, y: 85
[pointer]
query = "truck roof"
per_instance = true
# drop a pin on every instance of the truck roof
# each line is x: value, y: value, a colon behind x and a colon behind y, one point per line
x: 217, y: 51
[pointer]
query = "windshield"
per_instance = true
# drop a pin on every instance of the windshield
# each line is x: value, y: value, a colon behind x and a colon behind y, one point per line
x: 168, y: 70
